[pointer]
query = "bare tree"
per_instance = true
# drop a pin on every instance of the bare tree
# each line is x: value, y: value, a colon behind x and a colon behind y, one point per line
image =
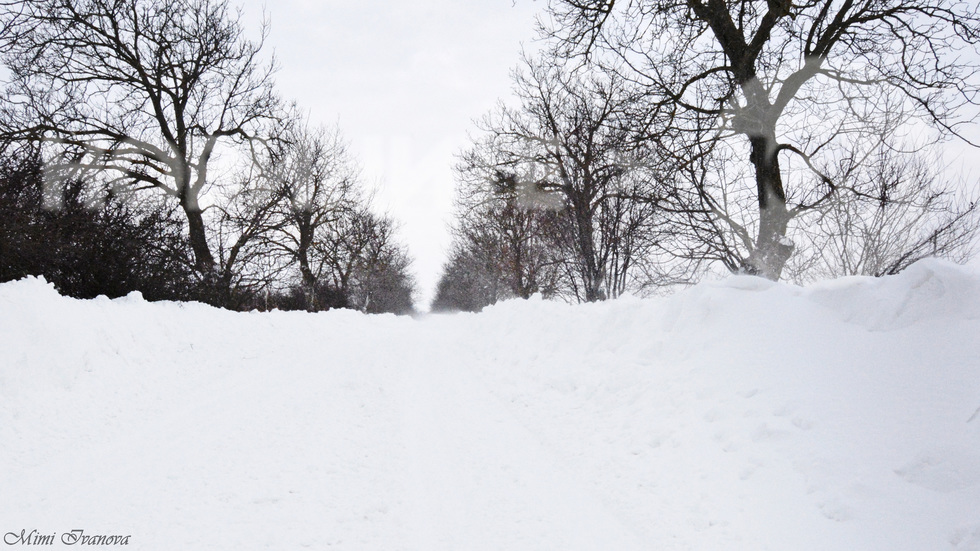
x: 366, y: 264
x: 469, y: 282
x: 519, y: 237
x: 708, y: 214
x: 502, y: 247
x: 248, y: 265
x: 299, y: 228
x: 143, y: 90
x: 381, y: 281
x: 314, y: 185
x: 900, y: 211
x: 578, y: 144
x: 790, y: 77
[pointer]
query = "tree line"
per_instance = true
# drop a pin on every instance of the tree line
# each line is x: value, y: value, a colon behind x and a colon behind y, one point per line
x: 144, y: 147
x: 653, y: 142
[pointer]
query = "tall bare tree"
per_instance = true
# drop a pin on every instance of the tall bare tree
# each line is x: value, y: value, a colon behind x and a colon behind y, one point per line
x: 577, y: 144
x: 790, y: 77
x: 249, y: 215
x: 144, y: 90
x: 315, y: 184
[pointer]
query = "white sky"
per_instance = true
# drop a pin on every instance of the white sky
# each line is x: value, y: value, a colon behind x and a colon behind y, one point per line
x: 404, y: 80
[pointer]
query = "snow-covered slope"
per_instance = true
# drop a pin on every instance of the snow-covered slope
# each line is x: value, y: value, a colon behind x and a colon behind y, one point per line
x: 740, y: 415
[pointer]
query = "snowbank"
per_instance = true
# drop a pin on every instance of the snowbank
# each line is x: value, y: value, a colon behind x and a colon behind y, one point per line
x: 735, y: 415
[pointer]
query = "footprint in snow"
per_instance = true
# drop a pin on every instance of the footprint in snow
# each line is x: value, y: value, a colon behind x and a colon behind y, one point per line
x: 944, y: 470
x: 966, y: 539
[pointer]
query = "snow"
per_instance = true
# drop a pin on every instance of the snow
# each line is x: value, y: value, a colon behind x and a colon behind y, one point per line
x: 736, y: 415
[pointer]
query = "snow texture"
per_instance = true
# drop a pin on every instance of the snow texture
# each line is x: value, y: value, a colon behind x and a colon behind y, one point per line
x: 737, y: 415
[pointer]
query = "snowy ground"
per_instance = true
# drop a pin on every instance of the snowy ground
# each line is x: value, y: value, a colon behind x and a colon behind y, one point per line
x: 740, y: 415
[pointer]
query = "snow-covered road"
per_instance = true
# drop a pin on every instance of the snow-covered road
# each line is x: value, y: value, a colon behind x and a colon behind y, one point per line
x: 736, y: 415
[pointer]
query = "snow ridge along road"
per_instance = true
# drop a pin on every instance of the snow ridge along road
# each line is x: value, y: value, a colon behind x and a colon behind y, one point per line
x: 734, y: 415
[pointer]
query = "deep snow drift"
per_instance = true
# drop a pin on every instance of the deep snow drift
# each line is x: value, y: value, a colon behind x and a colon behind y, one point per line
x: 740, y: 415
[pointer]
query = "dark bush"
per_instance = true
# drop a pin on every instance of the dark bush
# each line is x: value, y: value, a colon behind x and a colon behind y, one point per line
x: 324, y: 297
x: 88, y: 243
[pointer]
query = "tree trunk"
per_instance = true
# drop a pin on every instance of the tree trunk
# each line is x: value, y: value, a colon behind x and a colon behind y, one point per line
x: 303, y: 257
x: 772, y: 248
x: 203, y: 260
x: 591, y: 272
x: 309, y: 281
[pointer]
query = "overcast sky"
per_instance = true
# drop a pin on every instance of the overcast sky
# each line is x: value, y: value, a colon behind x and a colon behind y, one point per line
x: 404, y: 80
